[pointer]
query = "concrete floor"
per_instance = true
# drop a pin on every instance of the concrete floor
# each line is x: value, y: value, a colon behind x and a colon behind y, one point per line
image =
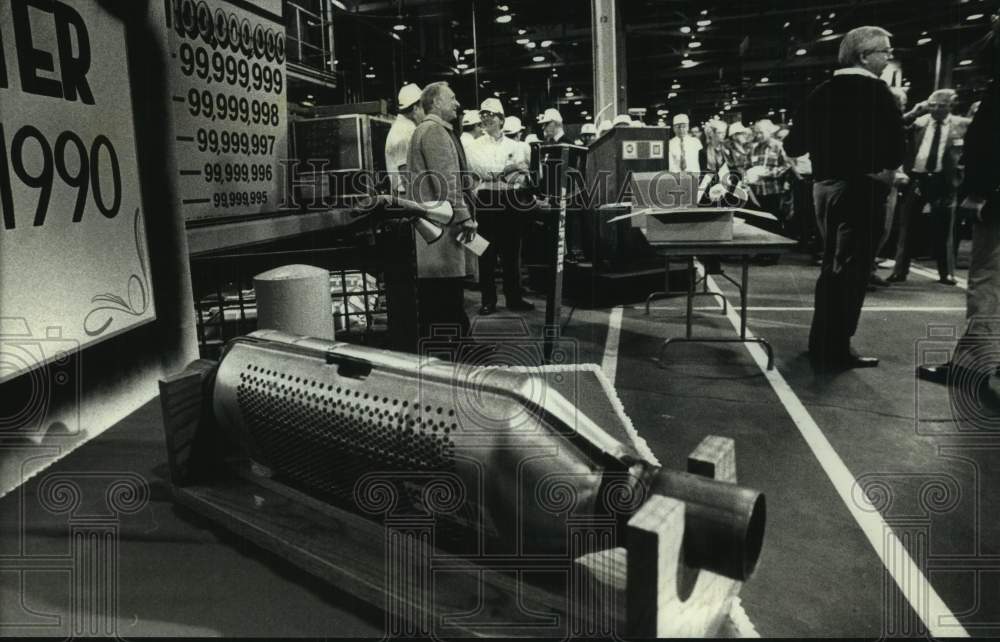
x: 931, y: 478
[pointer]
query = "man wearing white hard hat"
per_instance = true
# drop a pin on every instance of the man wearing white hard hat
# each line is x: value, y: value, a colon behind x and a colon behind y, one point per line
x: 768, y: 165
x: 739, y: 148
x: 683, y: 148
x: 397, y: 143
x: 587, y: 133
x: 499, y: 162
x: 472, y: 127
x: 513, y: 129
x: 552, y: 126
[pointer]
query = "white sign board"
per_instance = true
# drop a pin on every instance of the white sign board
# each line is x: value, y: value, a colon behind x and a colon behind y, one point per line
x: 73, y: 256
x: 227, y: 87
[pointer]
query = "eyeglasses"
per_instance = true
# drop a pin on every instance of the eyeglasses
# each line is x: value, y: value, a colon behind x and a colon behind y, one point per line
x: 486, y: 115
x: 887, y: 52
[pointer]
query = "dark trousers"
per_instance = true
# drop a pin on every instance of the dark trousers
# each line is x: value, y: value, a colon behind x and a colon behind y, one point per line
x: 937, y: 190
x: 501, y: 226
x: 803, y: 215
x: 851, y: 215
x: 441, y: 308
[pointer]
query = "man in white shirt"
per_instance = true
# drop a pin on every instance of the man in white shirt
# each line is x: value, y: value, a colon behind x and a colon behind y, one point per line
x: 513, y: 129
x: 552, y: 126
x: 496, y: 160
x: 683, y: 148
x: 938, y: 138
x: 397, y: 143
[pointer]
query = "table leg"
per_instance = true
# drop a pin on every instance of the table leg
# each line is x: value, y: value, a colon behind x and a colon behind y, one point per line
x: 690, y: 295
x: 744, y: 280
x: 666, y: 285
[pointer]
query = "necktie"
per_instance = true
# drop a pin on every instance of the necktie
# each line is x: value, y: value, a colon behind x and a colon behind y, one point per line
x: 932, y: 157
x: 684, y: 164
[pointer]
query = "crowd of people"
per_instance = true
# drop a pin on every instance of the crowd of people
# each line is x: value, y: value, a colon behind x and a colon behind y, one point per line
x: 850, y: 163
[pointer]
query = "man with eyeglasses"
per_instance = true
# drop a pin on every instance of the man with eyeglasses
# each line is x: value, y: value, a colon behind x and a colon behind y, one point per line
x: 498, y: 162
x: 853, y: 132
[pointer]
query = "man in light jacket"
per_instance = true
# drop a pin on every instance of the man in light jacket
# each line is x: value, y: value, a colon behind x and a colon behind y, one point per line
x: 438, y: 168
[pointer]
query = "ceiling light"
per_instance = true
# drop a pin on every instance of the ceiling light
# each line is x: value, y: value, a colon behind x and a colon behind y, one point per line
x: 694, y: 44
x: 833, y: 14
x: 965, y: 62
x: 504, y: 18
x: 514, y: 99
x: 688, y: 63
x: 310, y: 96
x: 800, y: 52
x: 340, y: 5
x: 539, y: 58
x: 531, y: 45
x: 704, y: 12
x: 584, y: 112
x: 503, y: 7
x: 395, y: 36
x: 672, y: 94
x: 704, y: 23
x: 923, y: 41
x: 399, y: 27
x: 827, y: 32
x: 469, y: 52
x: 676, y: 85
x: 369, y: 76
x: 569, y: 89
x: 462, y: 65
x: 546, y: 43
x: 523, y: 41
x: 700, y: 29
x: 765, y: 79
x: 521, y: 32
x: 306, y: 103
x: 577, y: 102
x: 685, y: 29
x: 923, y: 33
x: 786, y: 25
x: 974, y: 16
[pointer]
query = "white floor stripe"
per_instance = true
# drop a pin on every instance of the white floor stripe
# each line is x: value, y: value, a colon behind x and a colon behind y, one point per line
x: 764, y: 308
x: 932, y: 274
x: 912, y: 583
x: 609, y: 364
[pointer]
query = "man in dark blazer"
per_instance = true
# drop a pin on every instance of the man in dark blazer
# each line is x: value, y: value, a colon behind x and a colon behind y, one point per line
x: 932, y: 164
x: 977, y: 355
x: 438, y: 173
x: 853, y: 132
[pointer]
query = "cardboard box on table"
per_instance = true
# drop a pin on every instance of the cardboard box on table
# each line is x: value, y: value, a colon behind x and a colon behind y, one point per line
x: 664, y: 205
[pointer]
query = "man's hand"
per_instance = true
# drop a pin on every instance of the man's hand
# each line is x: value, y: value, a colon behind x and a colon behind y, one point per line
x: 972, y: 206
x: 886, y: 176
x: 468, y: 231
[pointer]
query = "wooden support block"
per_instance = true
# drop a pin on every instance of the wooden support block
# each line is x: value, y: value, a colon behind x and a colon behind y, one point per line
x: 183, y: 400
x: 655, y: 535
x: 715, y: 458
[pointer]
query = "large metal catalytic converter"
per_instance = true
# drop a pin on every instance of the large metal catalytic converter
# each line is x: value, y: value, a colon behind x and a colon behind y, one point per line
x: 517, y: 457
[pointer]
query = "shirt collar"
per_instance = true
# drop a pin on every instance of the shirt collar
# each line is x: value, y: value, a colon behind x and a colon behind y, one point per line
x: 854, y: 71
x: 437, y: 119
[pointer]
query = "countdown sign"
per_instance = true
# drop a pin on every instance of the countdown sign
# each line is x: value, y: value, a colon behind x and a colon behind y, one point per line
x: 227, y: 86
x: 73, y: 256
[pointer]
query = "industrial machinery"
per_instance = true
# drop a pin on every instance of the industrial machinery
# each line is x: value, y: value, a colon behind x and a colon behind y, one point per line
x: 497, y: 462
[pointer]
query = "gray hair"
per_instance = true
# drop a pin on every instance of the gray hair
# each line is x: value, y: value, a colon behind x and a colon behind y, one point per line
x: 858, y: 42
x: 942, y: 95
x: 430, y: 94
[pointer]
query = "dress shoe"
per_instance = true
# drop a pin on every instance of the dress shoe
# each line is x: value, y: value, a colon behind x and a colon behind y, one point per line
x: 948, y: 280
x: 520, y: 306
x: 875, y: 279
x: 895, y: 277
x: 935, y: 374
x: 857, y: 361
x: 487, y: 309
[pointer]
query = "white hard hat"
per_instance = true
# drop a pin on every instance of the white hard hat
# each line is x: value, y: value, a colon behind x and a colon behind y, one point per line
x: 512, y: 125
x: 492, y: 105
x: 766, y: 126
x: 622, y: 119
x: 588, y: 128
x: 470, y: 117
x: 408, y: 95
x: 738, y: 128
x: 531, y: 138
x: 681, y: 119
x: 550, y: 116
x: 637, y: 123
